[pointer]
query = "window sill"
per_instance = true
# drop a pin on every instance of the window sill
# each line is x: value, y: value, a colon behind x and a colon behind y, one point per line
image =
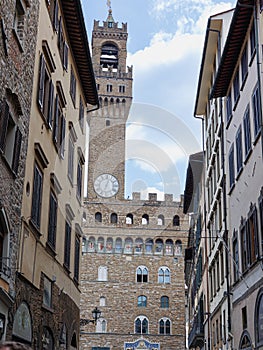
x: 257, y: 137
x: 35, y: 229
x: 248, y: 156
x: 48, y: 308
x: 239, y: 173
x: 51, y: 250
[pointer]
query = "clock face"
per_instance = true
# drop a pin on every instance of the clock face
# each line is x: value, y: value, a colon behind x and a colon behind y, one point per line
x: 106, y: 185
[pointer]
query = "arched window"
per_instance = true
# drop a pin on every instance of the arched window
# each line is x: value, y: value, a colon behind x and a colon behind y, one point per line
x: 109, y: 56
x: 98, y: 217
x: 101, y: 245
x: 106, y: 102
x: 258, y: 318
x: 129, y: 219
x: 91, y: 244
x: 178, y: 247
x: 160, y: 220
x: 102, y: 273
x: 142, y: 301
x: 164, y: 326
x: 118, y: 246
x: 245, y: 342
x: 169, y: 247
x: 109, y: 245
x: 149, y: 246
x: 159, y: 246
x: 114, y: 218
x: 128, y: 245
x: 101, y: 326
x: 73, y: 343
x: 48, y: 342
x: 164, y: 302
x: 142, y: 274
x: 145, y: 219
x: 164, y: 275
x: 176, y: 220
x: 138, y: 246
x: 141, y: 325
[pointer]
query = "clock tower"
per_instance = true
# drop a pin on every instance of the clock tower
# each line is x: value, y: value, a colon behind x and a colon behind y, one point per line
x: 106, y: 169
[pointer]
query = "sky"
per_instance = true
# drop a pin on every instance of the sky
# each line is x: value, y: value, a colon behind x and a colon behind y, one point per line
x: 165, y: 44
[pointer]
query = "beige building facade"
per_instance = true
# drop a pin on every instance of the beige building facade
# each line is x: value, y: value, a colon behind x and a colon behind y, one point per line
x: 132, y: 256
x: 45, y: 314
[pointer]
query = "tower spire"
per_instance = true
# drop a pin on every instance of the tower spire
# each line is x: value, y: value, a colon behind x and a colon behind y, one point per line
x: 110, y: 19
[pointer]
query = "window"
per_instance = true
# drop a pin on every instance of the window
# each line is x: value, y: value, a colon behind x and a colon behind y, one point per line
x: 102, y: 301
x: 118, y: 246
x: 260, y: 200
x: 80, y: 173
x: 19, y: 21
x: 71, y: 150
x: 231, y: 166
x: 229, y: 106
x: 101, y: 246
x: 256, y: 111
x: 244, y: 64
x: 52, y: 223
x: 145, y: 219
x: 142, y: 301
x: 222, y: 263
x: 67, y: 245
x: 53, y: 12
x: 239, y: 150
x: 109, y: 56
x: 252, y: 228
x: 142, y: 274
x: 160, y: 221
x: 63, y: 47
x: 141, y: 325
x: 114, y: 218
x: 176, y: 220
x: 129, y: 219
x: 37, y: 196
x: 148, y: 246
x: 98, y: 217
x: 101, y: 326
x: 109, y: 88
x: 81, y: 113
x: 236, y: 257
x: 178, y: 248
x: 138, y: 246
x: 247, y: 131
x: 76, y: 260
x: 164, y: 275
x: 252, y: 40
x: 236, y: 86
x: 128, y: 245
x: 102, y: 273
x: 91, y: 244
x: 169, y: 247
x: 59, y: 126
x: 164, y: 302
x: 45, y: 93
x: 109, y: 245
x: 73, y: 83
x: 10, y: 137
x: 121, y: 88
x: 47, y: 293
x: 159, y: 245
x: 164, y: 326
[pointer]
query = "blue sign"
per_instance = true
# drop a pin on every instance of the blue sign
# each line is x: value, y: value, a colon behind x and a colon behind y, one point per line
x: 141, y: 344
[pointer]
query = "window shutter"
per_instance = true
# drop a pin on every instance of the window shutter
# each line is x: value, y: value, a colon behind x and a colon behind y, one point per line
x: 67, y: 245
x: 55, y: 18
x: 4, y: 116
x: 41, y: 84
x: 37, y: 197
x: 60, y: 33
x: 17, y: 148
x: 62, y: 135
x: 76, y: 265
x: 50, y: 104
x: 52, y: 221
x: 65, y: 56
x: 55, y: 124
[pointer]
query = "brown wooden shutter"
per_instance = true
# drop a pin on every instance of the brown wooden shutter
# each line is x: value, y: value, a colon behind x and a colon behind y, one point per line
x: 65, y: 56
x: 55, y: 18
x: 55, y: 124
x: 4, y: 117
x: 62, y: 136
x: 16, y: 153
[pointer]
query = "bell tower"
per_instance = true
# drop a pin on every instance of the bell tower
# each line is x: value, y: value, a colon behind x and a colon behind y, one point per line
x: 106, y: 169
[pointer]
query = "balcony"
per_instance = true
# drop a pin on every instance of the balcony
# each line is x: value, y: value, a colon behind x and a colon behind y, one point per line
x: 196, y: 335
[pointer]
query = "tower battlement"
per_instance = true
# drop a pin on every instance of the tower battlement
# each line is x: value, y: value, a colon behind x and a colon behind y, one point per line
x: 114, y: 73
x: 152, y: 198
x: 105, y: 27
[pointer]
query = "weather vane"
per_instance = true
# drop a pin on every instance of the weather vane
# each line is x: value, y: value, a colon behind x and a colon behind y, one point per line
x: 109, y: 4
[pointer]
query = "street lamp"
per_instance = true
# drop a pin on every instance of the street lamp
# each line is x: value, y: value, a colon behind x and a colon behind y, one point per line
x: 96, y: 313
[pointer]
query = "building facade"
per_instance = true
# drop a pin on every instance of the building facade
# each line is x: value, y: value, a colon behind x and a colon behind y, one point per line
x: 229, y: 103
x: 132, y: 257
x: 17, y: 52
x: 61, y: 88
